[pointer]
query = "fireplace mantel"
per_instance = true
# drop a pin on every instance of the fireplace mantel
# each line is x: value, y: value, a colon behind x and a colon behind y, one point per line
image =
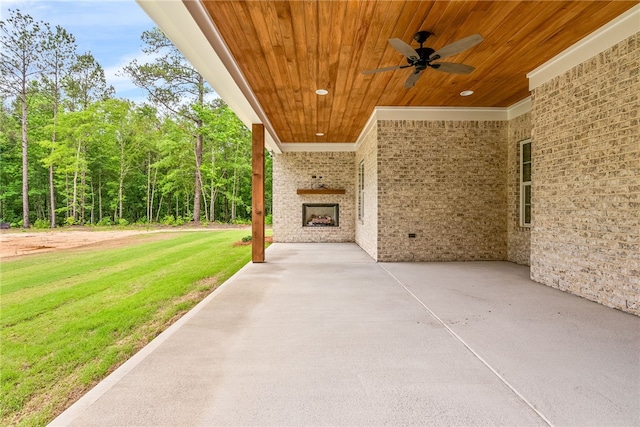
x: 321, y: 191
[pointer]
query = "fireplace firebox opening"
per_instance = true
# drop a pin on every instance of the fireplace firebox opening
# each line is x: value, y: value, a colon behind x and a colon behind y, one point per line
x: 320, y: 214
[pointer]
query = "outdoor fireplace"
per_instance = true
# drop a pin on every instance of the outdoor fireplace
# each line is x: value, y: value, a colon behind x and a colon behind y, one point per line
x: 320, y: 214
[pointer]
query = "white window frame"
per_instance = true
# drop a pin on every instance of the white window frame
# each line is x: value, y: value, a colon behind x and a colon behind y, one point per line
x: 361, y: 190
x: 524, y: 185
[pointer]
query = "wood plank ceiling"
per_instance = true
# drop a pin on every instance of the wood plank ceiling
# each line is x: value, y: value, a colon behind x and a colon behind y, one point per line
x: 288, y: 49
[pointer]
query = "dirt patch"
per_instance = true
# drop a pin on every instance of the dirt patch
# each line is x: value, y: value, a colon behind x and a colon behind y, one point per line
x: 267, y: 239
x: 17, y: 243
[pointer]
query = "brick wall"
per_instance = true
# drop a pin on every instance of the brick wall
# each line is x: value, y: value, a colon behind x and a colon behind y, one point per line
x: 294, y: 170
x: 518, y: 238
x: 367, y: 227
x: 445, y: 181
x: 585, y: 237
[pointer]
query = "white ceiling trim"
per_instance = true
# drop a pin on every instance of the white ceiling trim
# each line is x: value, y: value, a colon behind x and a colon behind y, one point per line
x: 444, y: 113
x: 441, y: 113
x: 519, y: 108
x: 177, y: 19
x: 600, y: 40
x: 373, y: 120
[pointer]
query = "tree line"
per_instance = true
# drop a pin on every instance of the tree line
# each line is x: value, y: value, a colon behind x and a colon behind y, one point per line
x: 72, y: 153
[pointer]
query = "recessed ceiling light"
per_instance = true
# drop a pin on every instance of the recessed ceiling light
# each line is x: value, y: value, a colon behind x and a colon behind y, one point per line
x: 466, y: 93
x: 322, y: 92
x: 319, y: 134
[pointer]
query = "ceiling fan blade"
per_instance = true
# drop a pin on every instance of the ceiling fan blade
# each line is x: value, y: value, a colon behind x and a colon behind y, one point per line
x: 379, y: 70
x: 404, y: 48
x: 453, y: 68
x: 413, y: 78
x: 456, y: 47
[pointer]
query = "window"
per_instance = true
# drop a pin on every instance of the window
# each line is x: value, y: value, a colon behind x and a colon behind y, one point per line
x: 525, y: 183
x: 361, y: 190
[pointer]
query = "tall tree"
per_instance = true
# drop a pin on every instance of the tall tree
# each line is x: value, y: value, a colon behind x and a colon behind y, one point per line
x: 123, y: 125
x: 173, y: 83
x: 146, y: 138
x: 59, y: 50
x: 75, y: 130
x: 21, y: 40
x: 85, y: 84
x: 228, y: 152
x: 175, y: 164
x: 10, y: 208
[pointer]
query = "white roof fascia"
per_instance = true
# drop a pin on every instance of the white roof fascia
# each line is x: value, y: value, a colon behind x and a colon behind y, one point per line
x: 185, y: 24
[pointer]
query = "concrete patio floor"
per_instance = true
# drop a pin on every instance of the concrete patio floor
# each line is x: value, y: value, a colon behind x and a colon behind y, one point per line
x: 321, y: 334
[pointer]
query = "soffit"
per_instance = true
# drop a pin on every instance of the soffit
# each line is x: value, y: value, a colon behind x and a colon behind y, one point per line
x: 288, y: 49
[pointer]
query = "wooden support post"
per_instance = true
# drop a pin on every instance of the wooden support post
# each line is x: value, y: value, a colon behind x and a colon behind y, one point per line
x: 257, y: 193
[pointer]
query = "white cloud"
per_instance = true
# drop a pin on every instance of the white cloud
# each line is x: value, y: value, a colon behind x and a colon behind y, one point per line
x: 109, y: 29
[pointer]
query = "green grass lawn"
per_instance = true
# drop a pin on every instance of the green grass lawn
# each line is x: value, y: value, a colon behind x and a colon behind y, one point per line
x: 67, y: 319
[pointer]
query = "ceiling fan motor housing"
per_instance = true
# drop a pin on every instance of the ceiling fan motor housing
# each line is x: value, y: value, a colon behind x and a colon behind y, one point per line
x: 422, y: 62
x: 424, y: 52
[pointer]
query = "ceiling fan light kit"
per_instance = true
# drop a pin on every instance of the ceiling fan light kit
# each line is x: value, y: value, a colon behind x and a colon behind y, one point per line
x: 423, y: 57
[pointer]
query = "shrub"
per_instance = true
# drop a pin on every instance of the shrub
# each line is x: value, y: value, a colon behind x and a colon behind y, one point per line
x: 241, y: 221
x: 268, y: 219
x: 41, y: 223
x: 123, y: 222
x: 105, y: 222
x: 69, y: 221
x: 246, y: 239
x: 168, y: 220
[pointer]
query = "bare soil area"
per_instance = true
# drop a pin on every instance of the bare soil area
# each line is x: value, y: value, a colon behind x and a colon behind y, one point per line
x: 19, y: 243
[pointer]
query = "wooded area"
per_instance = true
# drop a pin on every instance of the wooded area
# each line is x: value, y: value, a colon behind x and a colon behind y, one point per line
x: 71, y: 153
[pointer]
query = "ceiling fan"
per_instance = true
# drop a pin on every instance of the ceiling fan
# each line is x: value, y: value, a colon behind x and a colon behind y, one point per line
x: 423, y: 57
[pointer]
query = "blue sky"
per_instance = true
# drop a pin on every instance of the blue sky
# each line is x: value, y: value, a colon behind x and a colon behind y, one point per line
x: 109, y: 29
